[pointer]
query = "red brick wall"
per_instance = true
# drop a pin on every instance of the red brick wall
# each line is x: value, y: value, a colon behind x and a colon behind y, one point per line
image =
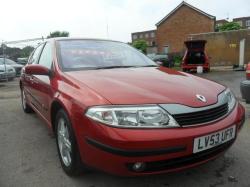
x: 175, y: 30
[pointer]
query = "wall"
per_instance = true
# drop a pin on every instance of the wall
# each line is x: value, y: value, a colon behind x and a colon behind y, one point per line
x: 223, y: 47
x: 174, y: 31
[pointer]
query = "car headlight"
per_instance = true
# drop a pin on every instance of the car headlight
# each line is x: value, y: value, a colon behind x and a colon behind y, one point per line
x: 230, y: 99
x: 132, y: 116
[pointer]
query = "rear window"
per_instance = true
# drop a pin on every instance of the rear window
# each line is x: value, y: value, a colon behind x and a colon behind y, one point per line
x: 7, y: 61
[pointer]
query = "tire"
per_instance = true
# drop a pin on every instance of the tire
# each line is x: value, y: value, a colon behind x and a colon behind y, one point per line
x: 207, y: 70
x: 67, y: 146
x: 25, y: 106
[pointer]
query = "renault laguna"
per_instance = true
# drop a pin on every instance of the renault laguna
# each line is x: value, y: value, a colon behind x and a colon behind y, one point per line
x: 113, y: 109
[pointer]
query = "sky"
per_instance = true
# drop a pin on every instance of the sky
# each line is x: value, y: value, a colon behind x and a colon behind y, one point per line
x: 108, y: 19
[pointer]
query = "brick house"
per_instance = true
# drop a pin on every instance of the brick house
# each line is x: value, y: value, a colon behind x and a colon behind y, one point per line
x: 149, y: 37
x: 221, y: 22
x: 243, y: 21
x: 174, y: 28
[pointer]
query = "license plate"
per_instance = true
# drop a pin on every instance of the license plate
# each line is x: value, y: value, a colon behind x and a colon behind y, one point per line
x: 212, y: 140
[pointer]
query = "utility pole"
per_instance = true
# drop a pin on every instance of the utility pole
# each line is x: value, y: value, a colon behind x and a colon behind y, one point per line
x: 4, y: 63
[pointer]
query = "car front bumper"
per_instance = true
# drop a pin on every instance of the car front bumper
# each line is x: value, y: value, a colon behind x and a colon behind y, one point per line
x: 116, y: 150
x: 194, y: 66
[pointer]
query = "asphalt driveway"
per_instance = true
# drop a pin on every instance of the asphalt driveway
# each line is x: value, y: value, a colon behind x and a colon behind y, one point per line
x: 28, y: 155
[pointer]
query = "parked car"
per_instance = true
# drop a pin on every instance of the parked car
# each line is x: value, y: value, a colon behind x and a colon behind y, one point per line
x: 18, y: 67
x: 7, y: 72
x: 113, y: 109
x: 22, y: 61
x: 195, y: 56
x: 248, y: 71
x: 163, y: 58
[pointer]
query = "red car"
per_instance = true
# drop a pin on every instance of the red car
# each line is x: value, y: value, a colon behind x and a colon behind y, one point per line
x: 195, y: 56
x: 113, y: 109
x: 248, y: 71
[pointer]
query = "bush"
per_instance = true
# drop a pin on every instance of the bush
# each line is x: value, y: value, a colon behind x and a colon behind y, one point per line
x: 140, y: 45
x: 175, y: 58
x: 229, y: 26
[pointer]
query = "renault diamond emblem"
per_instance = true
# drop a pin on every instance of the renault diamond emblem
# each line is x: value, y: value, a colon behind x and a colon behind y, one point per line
x: 201, y: 98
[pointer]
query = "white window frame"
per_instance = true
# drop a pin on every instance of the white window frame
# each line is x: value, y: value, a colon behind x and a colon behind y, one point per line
x: 248, y: 23
x: 152, y: 34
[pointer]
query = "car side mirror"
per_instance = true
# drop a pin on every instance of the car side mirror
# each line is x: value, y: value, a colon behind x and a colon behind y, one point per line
x: 36, y: 69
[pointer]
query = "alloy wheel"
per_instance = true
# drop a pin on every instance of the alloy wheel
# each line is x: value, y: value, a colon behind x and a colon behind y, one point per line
x: 64, y: 143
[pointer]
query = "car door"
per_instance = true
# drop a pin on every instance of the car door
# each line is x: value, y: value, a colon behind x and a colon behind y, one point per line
x: 41, y: 86
x: 27, y: 79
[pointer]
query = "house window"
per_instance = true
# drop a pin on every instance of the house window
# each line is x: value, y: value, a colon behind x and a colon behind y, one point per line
x: 146, y: 35
x: 152, y: 34
x: 248, y: 23
x: 135, y: 37
x: 141, y: 35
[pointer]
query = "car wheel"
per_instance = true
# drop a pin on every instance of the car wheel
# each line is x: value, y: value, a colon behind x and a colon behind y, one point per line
x: 67, y: 146
x: 25, y: 106
x: 206, y: 70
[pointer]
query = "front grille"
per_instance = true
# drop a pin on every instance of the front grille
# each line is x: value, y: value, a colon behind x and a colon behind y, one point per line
x: 201, y: 117
x: 183, y: 161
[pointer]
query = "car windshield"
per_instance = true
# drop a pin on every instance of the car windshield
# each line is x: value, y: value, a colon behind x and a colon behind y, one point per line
x: 97, y: 54
x: 7, y: 61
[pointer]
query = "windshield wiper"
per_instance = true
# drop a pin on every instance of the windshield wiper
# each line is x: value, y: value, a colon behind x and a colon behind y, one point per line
x: 113, y: 67
x: 149, y: 66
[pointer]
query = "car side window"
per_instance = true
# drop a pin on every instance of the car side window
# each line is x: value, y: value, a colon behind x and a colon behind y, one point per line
x: 46, y: 56
x: 35, y: 55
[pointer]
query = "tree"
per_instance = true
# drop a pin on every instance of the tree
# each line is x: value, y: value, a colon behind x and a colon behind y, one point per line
x: 15, y: 52
x: 26, y: 51
x: 141, y: 45
x: 58, y: 34
x: 229, y: 26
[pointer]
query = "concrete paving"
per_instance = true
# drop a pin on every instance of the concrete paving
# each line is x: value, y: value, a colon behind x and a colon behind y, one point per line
x: 28, y: 155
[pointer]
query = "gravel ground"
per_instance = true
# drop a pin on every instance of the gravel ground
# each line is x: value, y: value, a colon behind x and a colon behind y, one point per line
x: 28, y: 155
